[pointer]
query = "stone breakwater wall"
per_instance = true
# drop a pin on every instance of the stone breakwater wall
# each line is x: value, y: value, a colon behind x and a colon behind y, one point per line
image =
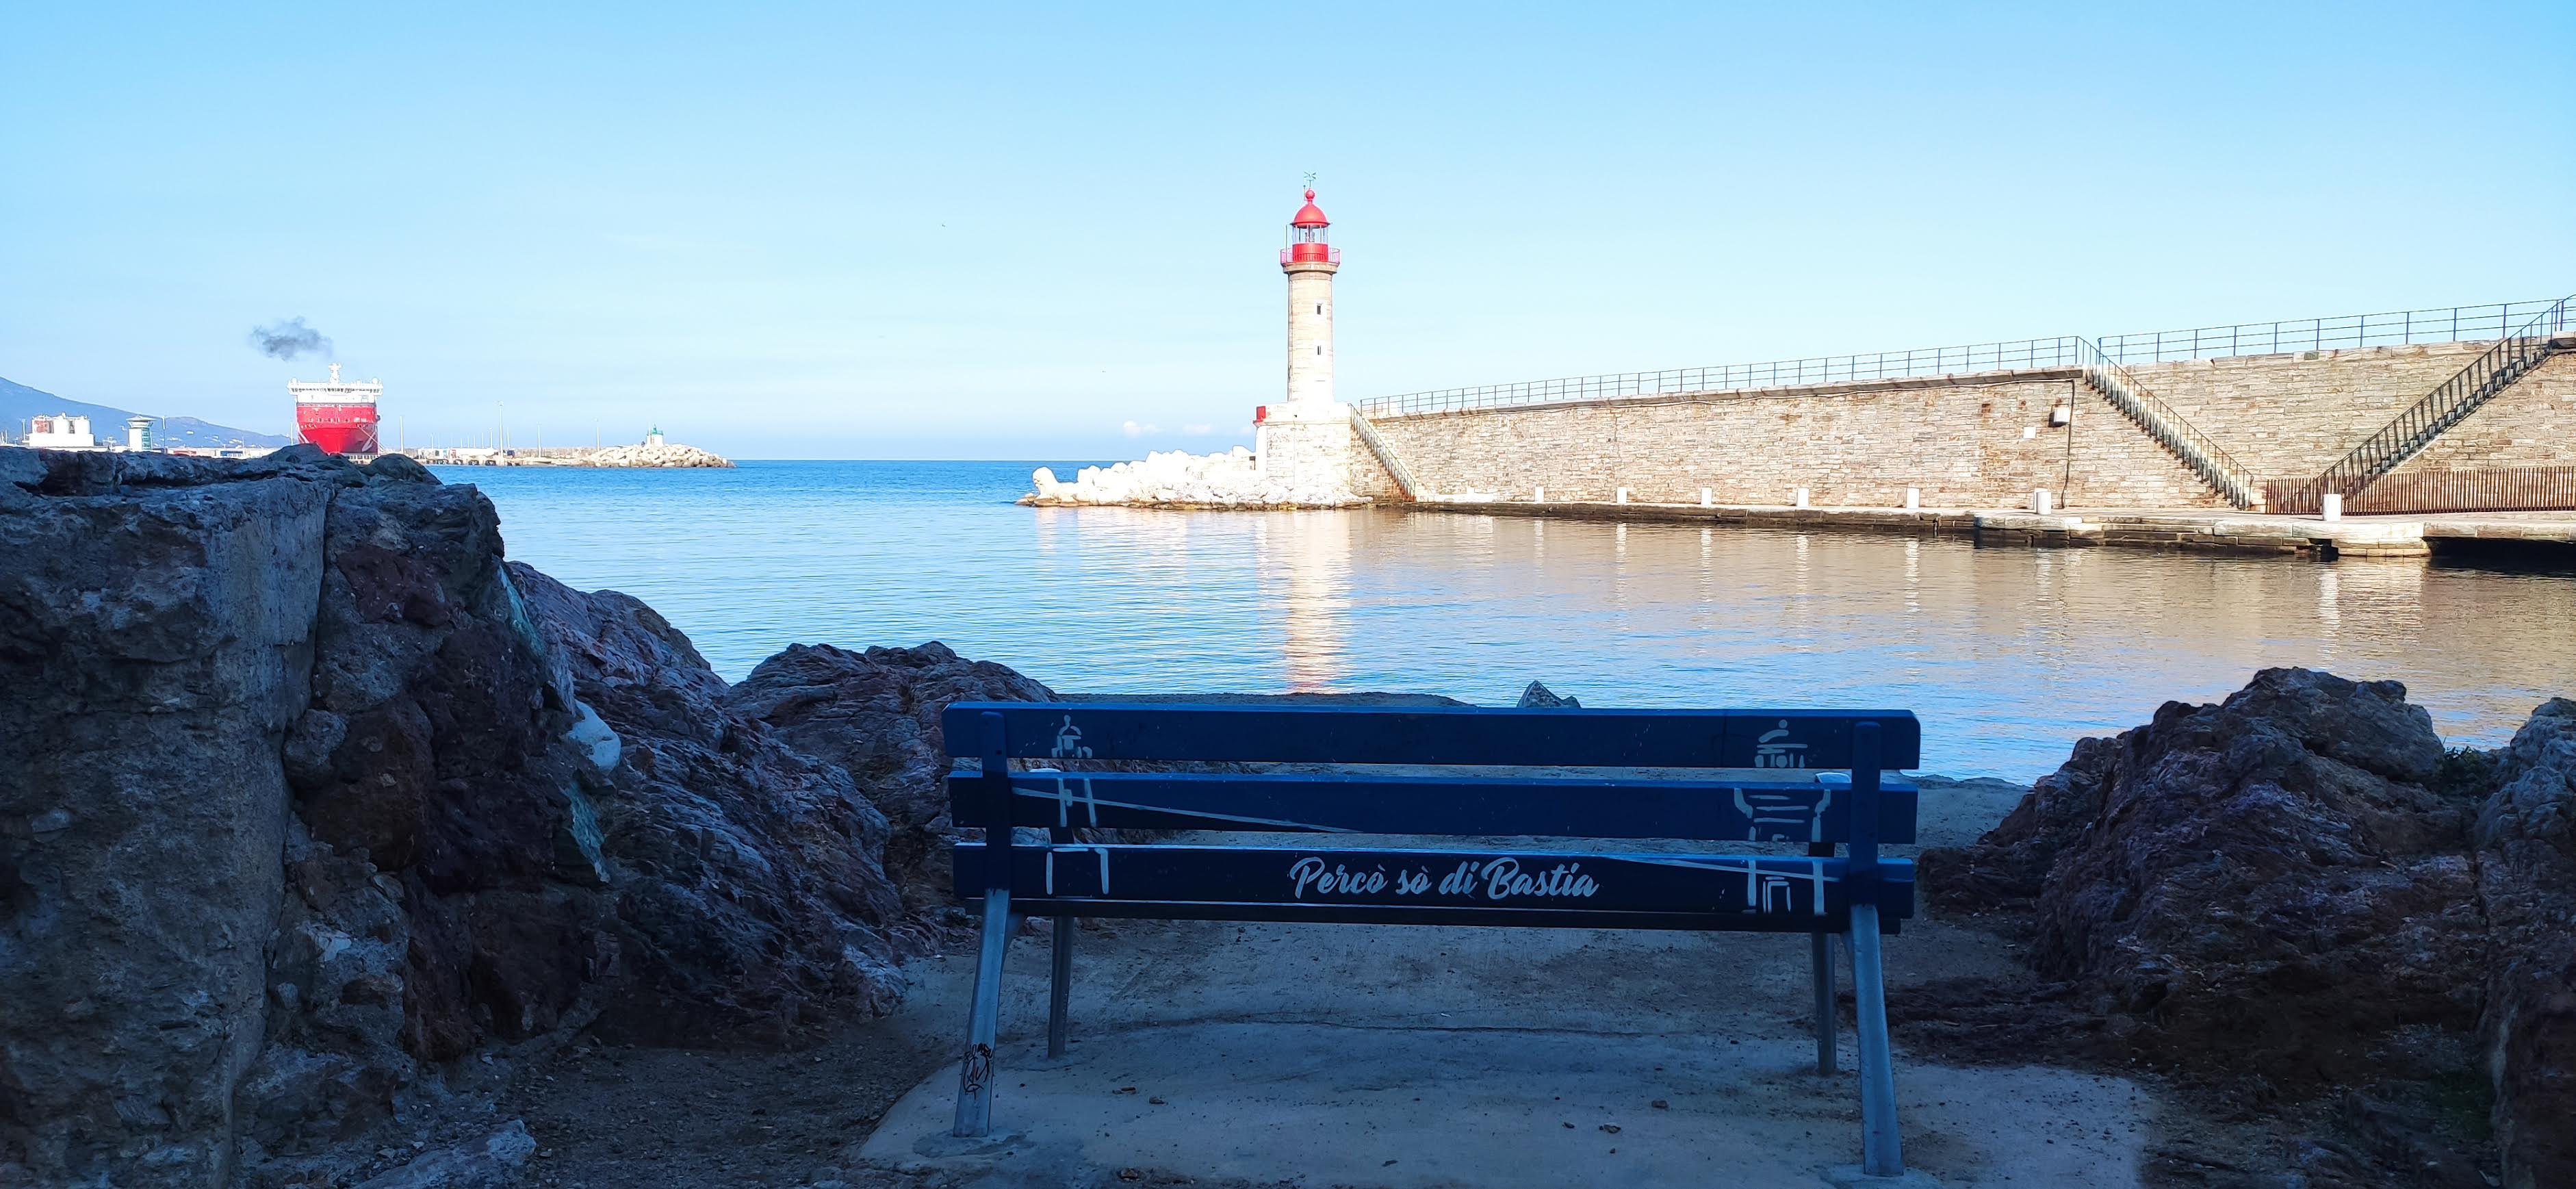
x: 1983, y: 440
x: 673, y: 456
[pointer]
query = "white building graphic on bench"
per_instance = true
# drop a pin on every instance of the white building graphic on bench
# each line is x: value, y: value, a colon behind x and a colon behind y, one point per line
x: 1779, y: 815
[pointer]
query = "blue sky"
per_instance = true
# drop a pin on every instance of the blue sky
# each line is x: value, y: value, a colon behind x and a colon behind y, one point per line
x: 840, y: 231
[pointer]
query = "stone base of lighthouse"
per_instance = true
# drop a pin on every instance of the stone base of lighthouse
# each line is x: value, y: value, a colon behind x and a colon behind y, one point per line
x: 1307, y: 449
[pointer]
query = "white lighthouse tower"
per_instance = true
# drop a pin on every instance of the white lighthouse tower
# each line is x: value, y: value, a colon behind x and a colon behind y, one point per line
x: 1310, y: 262
x: 1306, y: 441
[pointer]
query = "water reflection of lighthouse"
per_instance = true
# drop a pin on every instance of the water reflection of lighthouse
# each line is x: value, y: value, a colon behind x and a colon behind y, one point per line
x: 1305, y: 562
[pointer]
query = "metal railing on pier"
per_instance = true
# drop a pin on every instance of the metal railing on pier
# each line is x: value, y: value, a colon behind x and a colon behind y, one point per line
x: 1781, y: 373
x: 2506, y: 489
x: 2455, y: 324
x: 2393, y: 329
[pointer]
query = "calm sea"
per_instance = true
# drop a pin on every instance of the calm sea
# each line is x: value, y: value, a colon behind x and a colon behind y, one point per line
x: 2007, y: 654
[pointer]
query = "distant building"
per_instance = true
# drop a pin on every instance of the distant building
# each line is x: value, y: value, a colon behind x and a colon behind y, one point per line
x: 653, y: 436
x: 62, y: 431
x: 138, y: 432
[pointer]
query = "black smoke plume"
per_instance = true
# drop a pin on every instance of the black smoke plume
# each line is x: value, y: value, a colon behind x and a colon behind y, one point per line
x: 289, y: 339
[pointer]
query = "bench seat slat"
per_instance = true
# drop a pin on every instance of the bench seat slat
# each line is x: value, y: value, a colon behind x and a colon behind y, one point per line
x: 1365, y: 914
x: 1334, y: 734
x: 1706, y: 810
x: 1727, y: 891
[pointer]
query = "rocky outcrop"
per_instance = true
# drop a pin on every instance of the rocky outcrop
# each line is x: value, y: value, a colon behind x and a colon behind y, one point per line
x: 2527, y: 871
x: 1540, y: 697
x: 2269, y: 877
x: 1174, y: 479
x: 876, y: 714
x: 156, y: 639
x: 2298, y: 885
x: 313, y: 794
x: 434, y: 756
x: 747, y: 875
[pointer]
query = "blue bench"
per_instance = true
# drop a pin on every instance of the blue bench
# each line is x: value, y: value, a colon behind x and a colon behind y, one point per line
x: 1797, y: 796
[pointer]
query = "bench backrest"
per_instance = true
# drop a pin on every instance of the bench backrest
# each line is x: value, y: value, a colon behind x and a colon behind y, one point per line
x: 1782, y: 800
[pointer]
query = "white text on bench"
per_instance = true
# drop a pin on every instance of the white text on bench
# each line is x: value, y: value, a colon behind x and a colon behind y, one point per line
x: 1497, y: 879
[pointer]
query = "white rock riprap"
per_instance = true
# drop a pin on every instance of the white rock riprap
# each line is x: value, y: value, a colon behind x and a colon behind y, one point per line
x: 667, y: 455
x: 1174, y: 479
x: 655, y: 456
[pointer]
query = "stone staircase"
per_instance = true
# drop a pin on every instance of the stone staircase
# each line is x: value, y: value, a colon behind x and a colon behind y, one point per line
x: 2158, y: 420
x: 1385, y: 453
x: 2406, y: 435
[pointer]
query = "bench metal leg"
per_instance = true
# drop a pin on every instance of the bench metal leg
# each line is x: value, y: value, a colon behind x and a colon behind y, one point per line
x: 1881, y: 1154
x: 1062, y: 989
x: 983, y: 1021
x: 1820, y: 954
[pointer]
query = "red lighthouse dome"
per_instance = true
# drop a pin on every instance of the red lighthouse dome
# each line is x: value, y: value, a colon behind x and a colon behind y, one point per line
x: 1306, y: 242
x: 1310, y: 215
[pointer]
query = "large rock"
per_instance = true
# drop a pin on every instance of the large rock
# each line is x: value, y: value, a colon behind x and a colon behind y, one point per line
x: 876, y: 713
x: 2271, y: 882
x: 747, y: 874
x: 2527, y: 869
x: 155, y: 642
x: 313, y: 793
x: 434, y: 755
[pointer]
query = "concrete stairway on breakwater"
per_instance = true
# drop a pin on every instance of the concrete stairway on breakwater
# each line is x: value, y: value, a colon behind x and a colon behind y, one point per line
x: 2213, y: 531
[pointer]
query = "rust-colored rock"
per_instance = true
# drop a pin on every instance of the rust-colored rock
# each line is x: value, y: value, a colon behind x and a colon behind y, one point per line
x: 746, y: 873
x: 876, y: 713
x: 2271, y: 881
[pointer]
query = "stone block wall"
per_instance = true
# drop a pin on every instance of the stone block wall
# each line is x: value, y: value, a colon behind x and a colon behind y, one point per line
x: 2291, y: 416
x: 1974, y: 441
x: 1981, y: 443
x: 1310, y: 451
x: 2531, y: 424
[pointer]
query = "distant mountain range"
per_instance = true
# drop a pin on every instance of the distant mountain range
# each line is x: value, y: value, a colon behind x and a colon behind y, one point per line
x: 19, y: 402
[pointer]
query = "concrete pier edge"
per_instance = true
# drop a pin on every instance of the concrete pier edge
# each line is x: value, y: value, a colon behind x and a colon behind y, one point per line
x: 2191, y: 529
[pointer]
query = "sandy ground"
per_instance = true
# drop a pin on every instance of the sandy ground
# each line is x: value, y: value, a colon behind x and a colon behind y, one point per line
x: 1211, y: 1053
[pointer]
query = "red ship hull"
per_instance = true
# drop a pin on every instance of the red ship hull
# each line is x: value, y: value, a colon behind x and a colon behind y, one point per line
x: 340, y: 429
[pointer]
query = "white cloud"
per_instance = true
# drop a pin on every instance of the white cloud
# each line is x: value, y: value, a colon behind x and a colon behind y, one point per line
x: 1136, y: 429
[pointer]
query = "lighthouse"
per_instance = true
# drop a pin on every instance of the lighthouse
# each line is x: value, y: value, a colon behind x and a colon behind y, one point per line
x: 1305, y: 441
x: 1310, y: 261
